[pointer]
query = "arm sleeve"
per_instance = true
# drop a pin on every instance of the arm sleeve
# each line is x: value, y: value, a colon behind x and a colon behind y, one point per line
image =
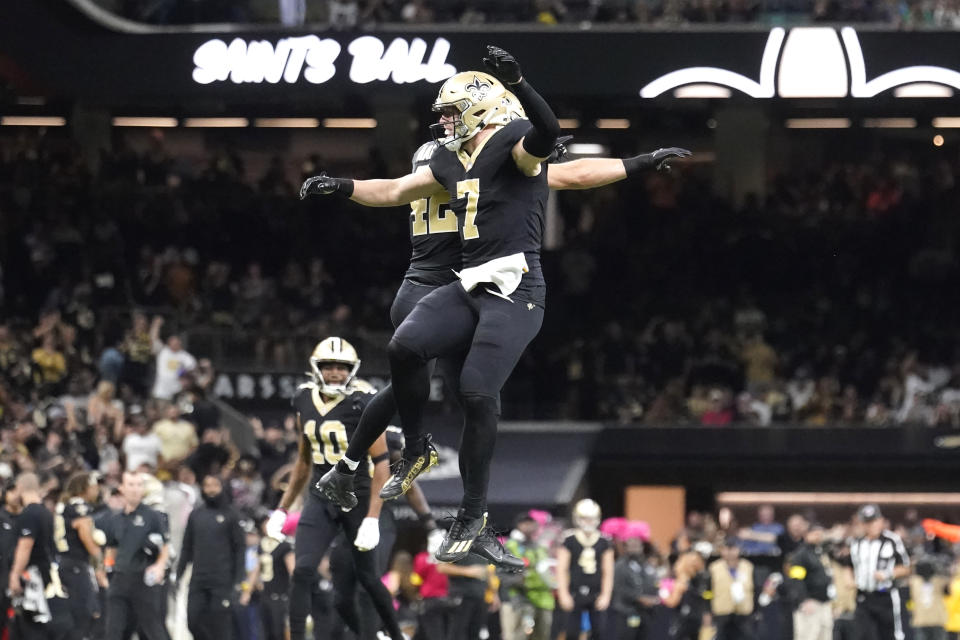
x: 540, y: 142
x: 27, y: 524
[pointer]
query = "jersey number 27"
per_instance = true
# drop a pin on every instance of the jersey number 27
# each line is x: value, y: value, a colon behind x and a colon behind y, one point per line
x: 429, y: 218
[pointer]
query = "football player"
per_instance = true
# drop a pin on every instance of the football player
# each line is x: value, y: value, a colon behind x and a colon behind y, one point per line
x: 585, y: 571
x: 77, y: 542
x: 475, y: 106
x: 343, y: 573
x: 328, y: 409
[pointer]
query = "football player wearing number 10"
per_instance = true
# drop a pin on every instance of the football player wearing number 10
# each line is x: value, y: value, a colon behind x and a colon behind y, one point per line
x: 328, y: 410
x: 492, y: 167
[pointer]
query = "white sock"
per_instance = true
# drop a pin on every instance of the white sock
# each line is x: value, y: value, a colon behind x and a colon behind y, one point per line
x: 351, y: 464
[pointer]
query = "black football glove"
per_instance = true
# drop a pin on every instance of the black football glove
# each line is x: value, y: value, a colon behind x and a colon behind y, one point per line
x: 662, y: 157
x: 560, y: 149
x: 502, y: 66
x: 325, y: 185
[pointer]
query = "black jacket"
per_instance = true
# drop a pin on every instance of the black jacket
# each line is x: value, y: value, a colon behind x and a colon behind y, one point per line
x: 215, y: 543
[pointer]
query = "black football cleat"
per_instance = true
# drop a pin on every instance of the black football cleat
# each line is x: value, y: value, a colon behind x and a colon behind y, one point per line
x: 407, y: 470
x: 488, y: 547
x: 337, y: 487
x: 461, y: 537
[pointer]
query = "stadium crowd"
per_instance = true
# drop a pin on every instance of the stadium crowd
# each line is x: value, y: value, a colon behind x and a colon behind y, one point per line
x: 357, y: 14
x: 855, y: 325
x: 824, y: 304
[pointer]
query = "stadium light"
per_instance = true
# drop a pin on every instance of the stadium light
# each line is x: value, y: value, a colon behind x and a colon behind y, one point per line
x: 124, y: 121
x: 289, y: 123
x: 216, y: 123
x: 350, y: 123
x: 612, y: 123
x: 569, y: 123
x: 33, y: 121
x: 946, y: 123
x: 818, y: 123
x: 586, y: 149
x: 890, y: 123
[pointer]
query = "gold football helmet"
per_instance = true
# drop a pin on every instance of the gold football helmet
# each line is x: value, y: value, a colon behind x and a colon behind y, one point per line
x: 586, y: 515
x: 479, y: 100
x: 337, y: 351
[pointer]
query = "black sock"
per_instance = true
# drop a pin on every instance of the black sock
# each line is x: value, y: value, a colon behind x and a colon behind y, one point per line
x: 376, y: 416
x: 476, y: 451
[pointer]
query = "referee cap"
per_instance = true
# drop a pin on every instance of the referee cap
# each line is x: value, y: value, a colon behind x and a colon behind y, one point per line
x: 869, y: 512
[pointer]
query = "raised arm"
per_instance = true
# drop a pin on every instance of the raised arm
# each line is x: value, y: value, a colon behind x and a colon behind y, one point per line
x: 589, y: 173
x: 537, y: 145
x: 375, y: 193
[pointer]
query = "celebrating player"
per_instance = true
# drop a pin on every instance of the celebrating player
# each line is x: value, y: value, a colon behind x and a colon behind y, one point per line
x: 499, y: 216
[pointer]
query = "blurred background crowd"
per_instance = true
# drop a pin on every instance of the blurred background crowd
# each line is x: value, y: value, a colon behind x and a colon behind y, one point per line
x: 360, y: 14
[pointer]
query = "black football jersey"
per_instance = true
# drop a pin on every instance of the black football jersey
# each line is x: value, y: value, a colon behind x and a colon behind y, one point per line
x: 500, y: 210
x: 434, y: 236
x: 586, y: 559
x: 273, y: 568
x: 65, y: 536
x: 328, y: 426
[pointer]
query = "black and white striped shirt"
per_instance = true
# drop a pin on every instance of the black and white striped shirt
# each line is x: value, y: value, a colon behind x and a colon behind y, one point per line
x: 882, y: 554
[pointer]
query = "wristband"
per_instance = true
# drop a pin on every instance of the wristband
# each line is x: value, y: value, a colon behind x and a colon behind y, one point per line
x: 425, y: 517
x: 344, y: 186
x: 638, y: 163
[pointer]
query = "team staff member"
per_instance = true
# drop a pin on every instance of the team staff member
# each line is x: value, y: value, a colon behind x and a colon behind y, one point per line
x: 214, y: 542
x: 138, y: 550
x: 879, y: 560
x: 810, y: 585
x: 43, y: 615
x: 79, y: 552
x: 9, y: 508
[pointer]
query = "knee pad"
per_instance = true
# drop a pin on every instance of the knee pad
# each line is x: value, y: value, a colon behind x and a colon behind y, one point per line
x: 401, y: 354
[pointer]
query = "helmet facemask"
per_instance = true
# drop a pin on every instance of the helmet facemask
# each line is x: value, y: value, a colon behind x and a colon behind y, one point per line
x: 333, y: 351
x: 473, y: 100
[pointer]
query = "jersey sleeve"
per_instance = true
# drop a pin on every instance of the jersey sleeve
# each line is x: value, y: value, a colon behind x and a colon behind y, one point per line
x: 570, y: 543
x: 28, y: 524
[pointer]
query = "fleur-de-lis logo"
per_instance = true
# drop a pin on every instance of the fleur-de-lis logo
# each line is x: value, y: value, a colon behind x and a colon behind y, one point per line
x: 477, y: 89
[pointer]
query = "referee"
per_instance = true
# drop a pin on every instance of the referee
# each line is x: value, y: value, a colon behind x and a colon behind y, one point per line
x: 879, y: 559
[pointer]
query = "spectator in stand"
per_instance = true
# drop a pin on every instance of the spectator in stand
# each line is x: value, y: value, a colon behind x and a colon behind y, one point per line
x: 50, y: 366
x: 761, y: 537
x: 178, y: 438
x: 138, y: 348
x: 172, y: 361
x: 140, y: 446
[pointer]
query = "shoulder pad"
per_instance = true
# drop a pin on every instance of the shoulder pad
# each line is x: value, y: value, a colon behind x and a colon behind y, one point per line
x: 362, y: 386
x: 423, y: 154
